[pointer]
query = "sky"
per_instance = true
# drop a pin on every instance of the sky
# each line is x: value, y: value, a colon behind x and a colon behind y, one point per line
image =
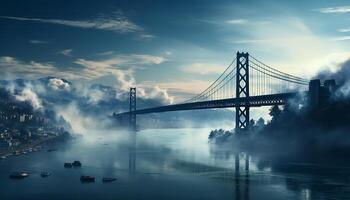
x: 179, y: 46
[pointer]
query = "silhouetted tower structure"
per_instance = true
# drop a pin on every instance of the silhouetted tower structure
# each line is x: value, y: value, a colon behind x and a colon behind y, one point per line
x: 132, y: 113
x: 242, y: 90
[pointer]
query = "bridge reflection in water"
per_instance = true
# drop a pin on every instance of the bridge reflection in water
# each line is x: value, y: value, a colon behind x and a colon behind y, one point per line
x: 241, y: 182
x: 132, y: 151
x: 240, y: 179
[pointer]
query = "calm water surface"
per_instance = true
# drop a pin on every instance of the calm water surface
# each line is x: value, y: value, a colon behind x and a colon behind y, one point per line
x: 166, y: 164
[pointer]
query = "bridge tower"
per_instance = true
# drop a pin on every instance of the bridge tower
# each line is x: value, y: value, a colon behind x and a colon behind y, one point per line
x: 242, y: 90
x: 132, y: 114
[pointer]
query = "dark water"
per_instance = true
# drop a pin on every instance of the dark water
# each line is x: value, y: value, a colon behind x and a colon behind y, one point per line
x: 166, y: 164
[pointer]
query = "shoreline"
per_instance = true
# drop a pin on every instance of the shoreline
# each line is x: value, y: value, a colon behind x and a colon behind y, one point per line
x: 25, y: 147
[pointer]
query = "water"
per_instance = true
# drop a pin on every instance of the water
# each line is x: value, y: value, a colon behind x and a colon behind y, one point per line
x: 166, y: 164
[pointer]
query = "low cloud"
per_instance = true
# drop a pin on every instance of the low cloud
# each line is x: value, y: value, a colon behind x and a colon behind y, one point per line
x: 182, y: 90
x: 58, y: 84
x: 155, y: 93
x: 28, y: 95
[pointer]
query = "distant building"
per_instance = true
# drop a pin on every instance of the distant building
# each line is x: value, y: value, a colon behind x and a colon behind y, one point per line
x: 319, y: 95
x: 5, y: 144
x: 22, y: 118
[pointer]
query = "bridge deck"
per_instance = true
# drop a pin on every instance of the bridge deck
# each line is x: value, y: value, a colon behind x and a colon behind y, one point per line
x: 253, y: 101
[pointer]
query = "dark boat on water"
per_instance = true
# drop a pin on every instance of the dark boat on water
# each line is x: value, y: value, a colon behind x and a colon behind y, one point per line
x: 19, y: 175
x: 68, y: 165
x: 76, y: 163
x: 87, y: 179
x: 108, y: 179
x: 45, y: 174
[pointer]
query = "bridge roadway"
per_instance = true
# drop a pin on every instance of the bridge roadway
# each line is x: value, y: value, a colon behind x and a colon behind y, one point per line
x: 252, y: 101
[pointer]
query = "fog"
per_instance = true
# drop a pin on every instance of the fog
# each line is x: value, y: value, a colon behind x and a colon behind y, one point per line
x: 88, y: 107
x: 295, y: 131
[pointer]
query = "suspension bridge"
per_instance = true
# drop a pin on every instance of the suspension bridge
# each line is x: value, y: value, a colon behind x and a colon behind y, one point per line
x: 245, y: 83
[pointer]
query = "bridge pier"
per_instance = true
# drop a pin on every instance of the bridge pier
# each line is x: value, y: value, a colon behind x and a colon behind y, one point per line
x: 242, y: 90
x: 132, y: 113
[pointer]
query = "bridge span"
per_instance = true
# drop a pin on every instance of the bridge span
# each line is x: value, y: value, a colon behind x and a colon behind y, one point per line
x: 252, y: 101
x: 246, y: 82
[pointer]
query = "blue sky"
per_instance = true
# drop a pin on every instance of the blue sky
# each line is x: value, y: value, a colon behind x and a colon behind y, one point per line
x: 179, y: 46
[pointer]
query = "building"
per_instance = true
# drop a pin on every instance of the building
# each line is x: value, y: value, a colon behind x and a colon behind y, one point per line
x: 320, y: 95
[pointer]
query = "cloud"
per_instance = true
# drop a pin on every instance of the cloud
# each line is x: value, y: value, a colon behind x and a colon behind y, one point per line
x: 121, y: 66
x: 66, y: 52
x: 237, y: 21
x: 203, y: 68
x: 340, y: 9
x: 290, y: 45
x: 156, y: 93
x: 344, y: 30
x: 117, y: 23
x: 58, y: 84
x: 28, y: 95
x: 115, y: 66
x: 32, y: 69
x: 79, y: 121
x: 246, y: 22
x: 342, y: 38
x: 37, y: 42
x: 106, y: 53
x: 182, y: 90
x: 146, y: 36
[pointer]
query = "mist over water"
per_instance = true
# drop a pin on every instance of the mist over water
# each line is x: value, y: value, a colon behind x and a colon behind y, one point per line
x: 168, y: 164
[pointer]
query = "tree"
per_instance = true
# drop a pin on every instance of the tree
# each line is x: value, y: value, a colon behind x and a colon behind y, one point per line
x: 275, y: 112
x: 260, y: 123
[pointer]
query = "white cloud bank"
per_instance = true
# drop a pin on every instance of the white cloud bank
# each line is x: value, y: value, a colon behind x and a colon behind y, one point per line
x: 58, y: 84
x: 121, y: 67
x: 28, y: 95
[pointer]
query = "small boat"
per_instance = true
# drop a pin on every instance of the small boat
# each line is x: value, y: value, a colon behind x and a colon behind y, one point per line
x: 18, y: 175
x: 87, y: 179
x: 68, y: 165
x: 45, y: 174
x: 76, y: 163
x: 3, y: 157
x: 108, y: 179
